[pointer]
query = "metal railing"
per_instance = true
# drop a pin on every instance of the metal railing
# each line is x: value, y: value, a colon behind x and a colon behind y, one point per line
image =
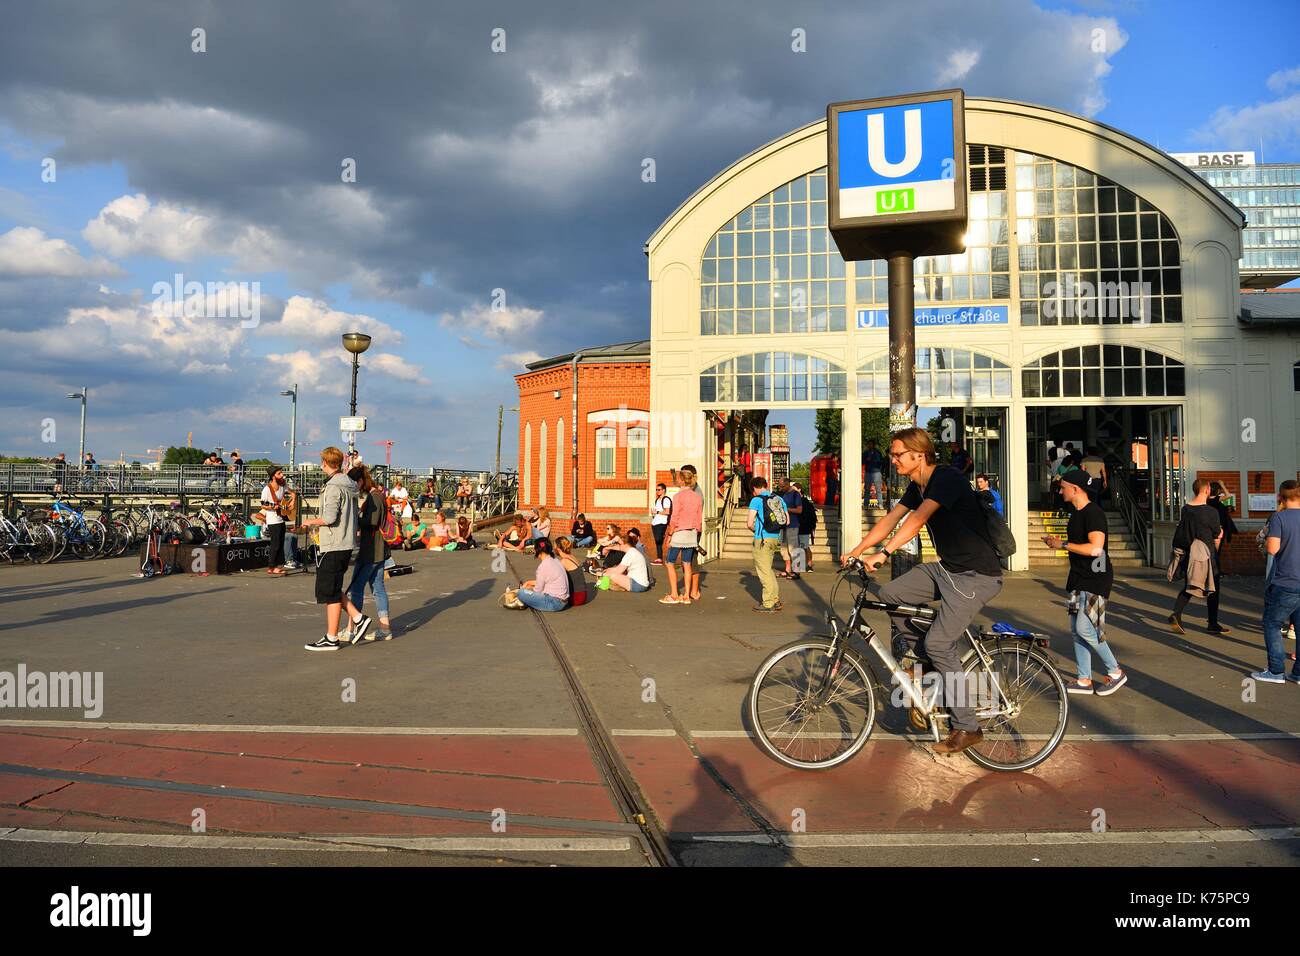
x: 489, y: 495
x: 1121, y: 487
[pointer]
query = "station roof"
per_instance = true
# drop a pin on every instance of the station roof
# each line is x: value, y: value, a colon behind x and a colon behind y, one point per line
x: 619, y: 352
x: 1265, y: 309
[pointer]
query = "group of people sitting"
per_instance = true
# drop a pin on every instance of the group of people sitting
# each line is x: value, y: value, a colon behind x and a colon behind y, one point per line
x: 617, y: 560
x: 438, y: 534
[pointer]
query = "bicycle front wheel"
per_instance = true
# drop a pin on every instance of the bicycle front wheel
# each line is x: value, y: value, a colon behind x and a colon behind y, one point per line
x: 1022, y: 731
x: 806, y: 717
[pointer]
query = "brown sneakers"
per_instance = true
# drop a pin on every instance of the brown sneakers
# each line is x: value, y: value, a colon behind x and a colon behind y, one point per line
x: 958, y: 740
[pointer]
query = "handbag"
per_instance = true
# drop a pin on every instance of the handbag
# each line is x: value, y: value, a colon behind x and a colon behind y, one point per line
x: 685, y: 538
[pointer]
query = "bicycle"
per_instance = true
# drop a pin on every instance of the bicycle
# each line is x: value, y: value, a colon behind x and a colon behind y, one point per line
x: 812, y: 706
x: 218, y: 520
x: 30, y: 540
x: 86, y: 538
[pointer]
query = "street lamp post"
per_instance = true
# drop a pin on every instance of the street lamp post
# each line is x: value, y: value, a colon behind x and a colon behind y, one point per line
x: 356, y: 343
x: 292, y: 393
x: 501, y: 409
x: 81, y: 450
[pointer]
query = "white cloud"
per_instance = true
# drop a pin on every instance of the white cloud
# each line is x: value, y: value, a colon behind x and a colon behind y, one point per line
x: 314, y: 321
x: 515, y: 361
x: 502, y: 324
x: 394, y: 366
x: 132, y: 225
x: 1275, y: 122
x: 960, y: 63
x: 1280, y: 80
x: 26, y: 251
x: 328, y: 370
x: 195, y: 367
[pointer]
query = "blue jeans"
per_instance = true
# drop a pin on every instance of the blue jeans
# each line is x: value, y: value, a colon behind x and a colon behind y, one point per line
x: 373, y: 575
x: 1280, y: 605
x: 291, y: 549
x: 1085, y: 642
x: 539, y: 601
x: 584, y: 542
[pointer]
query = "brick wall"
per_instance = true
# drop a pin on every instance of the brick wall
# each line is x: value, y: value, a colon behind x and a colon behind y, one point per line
x: 1260, y: 483
x: 601, y: 386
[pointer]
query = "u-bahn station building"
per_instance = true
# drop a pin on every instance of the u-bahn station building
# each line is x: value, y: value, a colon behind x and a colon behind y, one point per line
x: 753, y: 310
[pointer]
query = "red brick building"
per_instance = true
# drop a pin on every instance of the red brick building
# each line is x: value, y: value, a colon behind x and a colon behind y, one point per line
x: 612, y: 421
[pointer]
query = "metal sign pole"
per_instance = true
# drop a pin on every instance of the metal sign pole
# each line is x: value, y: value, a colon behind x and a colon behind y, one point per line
x: 902, y: 380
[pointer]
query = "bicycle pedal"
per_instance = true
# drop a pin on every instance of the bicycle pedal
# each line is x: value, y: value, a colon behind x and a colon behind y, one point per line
x: 917, y: 719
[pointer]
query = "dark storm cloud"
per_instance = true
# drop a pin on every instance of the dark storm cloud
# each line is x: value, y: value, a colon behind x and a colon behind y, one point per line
x: 518, y: 170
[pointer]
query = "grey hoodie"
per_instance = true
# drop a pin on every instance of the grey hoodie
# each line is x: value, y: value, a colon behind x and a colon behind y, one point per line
x: 338, y: 508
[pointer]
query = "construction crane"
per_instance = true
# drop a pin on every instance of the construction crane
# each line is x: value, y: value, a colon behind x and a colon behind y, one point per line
x: 388, y: 451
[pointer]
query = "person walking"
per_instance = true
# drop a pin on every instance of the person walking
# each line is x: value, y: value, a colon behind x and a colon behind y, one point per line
x: 807, y: 525
x: 790, y: 536
x: 1282, y: 588
x: 60, y: 466
x: 338, y: 536
x: 1088, y: 583
x: 659, y: 518
x: 874, y: 461
x: 1196, y: 548
x: 967, y: 575
x: 372, y: 508
x: 272, y: 498
x: 764, y: 520
x: 988, y: 494
x: 685, y: 525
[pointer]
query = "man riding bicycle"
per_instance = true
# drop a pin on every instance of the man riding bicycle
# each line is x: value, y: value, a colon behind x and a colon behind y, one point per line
x: 967, y: 576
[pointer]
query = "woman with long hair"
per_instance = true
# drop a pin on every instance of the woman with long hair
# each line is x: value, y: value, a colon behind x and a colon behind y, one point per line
x: 464, y: 536
x: 369, y: 572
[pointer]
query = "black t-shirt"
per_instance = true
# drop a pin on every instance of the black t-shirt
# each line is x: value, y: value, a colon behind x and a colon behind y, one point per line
x: 1083, y: 575
x: 958, y: 527
x: 807, y: 517
x: 1199, y: 522
x: 583, y: 529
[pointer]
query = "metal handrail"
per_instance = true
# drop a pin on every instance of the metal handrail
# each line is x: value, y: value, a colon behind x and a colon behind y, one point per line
x: 1126, y: 502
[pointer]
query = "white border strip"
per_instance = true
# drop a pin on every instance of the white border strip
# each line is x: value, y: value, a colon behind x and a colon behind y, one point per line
x: 329, y: 844
x: 1099, y: 738
x: 300, y: 729
x: 1067, y: 838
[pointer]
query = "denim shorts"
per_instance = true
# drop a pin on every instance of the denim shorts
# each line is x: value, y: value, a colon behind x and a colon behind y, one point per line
x: 636, y: 586
x: 686, y: 555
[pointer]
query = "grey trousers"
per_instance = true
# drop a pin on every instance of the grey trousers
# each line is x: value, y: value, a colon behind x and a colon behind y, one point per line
x: 961, y: 597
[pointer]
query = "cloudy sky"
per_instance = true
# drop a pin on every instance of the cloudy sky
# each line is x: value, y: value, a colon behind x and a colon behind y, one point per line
x: 128, y: 158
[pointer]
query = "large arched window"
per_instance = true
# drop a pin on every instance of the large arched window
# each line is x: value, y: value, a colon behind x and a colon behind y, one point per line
x: 1080, y: 234
x: 1097, y: 371
x: 941, y: 373
x: 772, y: 377
x: 775, y: 267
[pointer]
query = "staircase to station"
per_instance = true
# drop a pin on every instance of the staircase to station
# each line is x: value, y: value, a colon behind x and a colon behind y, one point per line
x: 1121, y: 545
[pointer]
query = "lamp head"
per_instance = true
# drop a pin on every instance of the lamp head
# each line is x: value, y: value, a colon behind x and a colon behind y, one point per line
x: 356, y: 342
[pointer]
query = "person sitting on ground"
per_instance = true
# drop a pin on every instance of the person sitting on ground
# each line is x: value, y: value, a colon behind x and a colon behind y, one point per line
x: 608, y: 547
x: 542, y: 524
x: 549, y: 591
x: 400, y: 499
x: 514, y: 538
x: 584, y: 535
x: 632, y: 572
x: 415, y: 534
x: 439, y: 532
x: 573, y: 567
x: 464, y: 536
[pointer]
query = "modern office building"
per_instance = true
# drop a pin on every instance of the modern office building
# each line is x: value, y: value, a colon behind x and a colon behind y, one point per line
x: 752, y: 309
x: 1269, y: 195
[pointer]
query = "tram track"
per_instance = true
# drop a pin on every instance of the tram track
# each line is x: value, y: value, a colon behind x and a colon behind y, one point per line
x: 630, y: 802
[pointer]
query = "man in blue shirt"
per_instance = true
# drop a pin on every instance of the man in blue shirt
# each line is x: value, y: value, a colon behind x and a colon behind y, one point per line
x: 790, y: 537
x: 1282, y: 593
x: 989, y: 494
x: 873, y: 460
x: 766, y: 544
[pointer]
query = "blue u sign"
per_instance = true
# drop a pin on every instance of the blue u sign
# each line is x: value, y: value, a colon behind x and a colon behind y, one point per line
x: 896, y: 159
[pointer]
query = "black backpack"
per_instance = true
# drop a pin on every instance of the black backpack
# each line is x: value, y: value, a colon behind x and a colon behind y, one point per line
x: 996, y: 530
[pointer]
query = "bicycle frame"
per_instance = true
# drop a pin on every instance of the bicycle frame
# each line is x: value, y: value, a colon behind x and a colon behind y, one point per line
x: 857, y: 624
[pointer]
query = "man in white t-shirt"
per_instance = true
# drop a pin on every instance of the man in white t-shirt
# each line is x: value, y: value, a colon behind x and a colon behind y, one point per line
x: 632, y: 573
x: 402, y: 498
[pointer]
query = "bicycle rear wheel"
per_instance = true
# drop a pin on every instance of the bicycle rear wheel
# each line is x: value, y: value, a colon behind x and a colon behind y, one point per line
x: 1024, y: 732
x: 799, y: 725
